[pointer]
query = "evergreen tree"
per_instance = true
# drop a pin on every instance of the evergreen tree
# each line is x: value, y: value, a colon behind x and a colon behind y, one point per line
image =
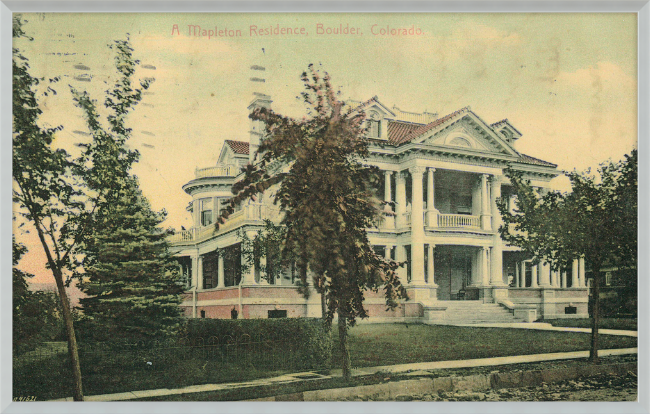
x: 128, y: 272
x: 329, y: 199
x: 130, y: 277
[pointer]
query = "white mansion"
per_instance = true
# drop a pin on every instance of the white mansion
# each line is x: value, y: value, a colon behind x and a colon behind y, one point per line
x: 443, y: 176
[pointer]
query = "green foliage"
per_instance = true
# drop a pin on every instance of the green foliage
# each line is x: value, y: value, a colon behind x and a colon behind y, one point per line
x: 36, y: 315
x: 265, y: 251
x: 328, y: 196
x: 311, y: 335
x: 131, y: 278
x: 597, y: 219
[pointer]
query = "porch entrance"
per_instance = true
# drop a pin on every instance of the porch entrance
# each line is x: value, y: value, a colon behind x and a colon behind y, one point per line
x: 453, y: 271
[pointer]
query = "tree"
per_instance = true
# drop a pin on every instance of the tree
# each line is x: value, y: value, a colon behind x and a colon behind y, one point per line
x: 597, y: 220
x: 131, y: 279
x: 127, y: 271
x: 45, y: 192
x: 36, y: 316
x: 329, y: 200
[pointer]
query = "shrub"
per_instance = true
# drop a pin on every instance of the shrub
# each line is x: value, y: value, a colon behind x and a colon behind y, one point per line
x: 307, y: 339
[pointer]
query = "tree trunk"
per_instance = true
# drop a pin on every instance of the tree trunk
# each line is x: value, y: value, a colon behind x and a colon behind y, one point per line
x: 73, y: 352
x: 323, y: 306
x: 345, y: 351
x: 595, y: 317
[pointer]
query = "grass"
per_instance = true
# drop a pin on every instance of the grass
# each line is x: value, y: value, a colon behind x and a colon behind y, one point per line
x: 390, y: 344
x: 45, y: 374
x: 629, y: 324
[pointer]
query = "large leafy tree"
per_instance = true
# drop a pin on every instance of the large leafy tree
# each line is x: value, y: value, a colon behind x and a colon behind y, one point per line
x: 128, y: 273
x: 329, y: 199
x: 597, y: 220
x: 44, y: 190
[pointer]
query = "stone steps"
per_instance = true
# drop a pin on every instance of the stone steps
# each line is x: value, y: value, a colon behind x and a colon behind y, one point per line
x: 476, y: 312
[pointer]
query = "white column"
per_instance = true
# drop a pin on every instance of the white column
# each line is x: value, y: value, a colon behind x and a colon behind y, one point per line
x: 195, y: 272
x: 431, y: 264
x: 534, y: 271
x: 485, y: 206
x: 200, y: 272
x: 248, y: 276
x: 400, y: 256
x: 564, y: 281
x: 485, y: 275
x: 220, y: 271
x: 523, y: 274
x: 432, y: 213
x: 517, y: 281
x: 581, y: 264
x: 387, y: 252
x: 545, y: 278
x: 554, y: 278
x: 400, y: 199
x: 497, y: 250
x: 417, y: 226
x: 574, y: 274
x: 387, y: 189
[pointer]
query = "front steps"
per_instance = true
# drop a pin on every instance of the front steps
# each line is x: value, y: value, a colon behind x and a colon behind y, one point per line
x: 461, y: 312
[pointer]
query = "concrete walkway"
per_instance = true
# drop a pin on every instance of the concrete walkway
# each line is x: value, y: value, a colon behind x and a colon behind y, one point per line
x: 548, y: 327
x: 395, y: 369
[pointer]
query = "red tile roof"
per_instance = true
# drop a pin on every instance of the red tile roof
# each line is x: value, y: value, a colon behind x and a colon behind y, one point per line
x: 424, y: 128
x: 239, y: 147
x: 398, y: 130
x: 527, y: 159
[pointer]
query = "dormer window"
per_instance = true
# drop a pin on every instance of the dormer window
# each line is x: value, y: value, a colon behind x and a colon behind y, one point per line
x: 374, y: 125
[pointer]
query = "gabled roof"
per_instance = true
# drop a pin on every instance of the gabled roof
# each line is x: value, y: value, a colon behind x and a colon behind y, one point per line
x: 505, y: 122
x: 428, y: 127
x: 357, y: 106
x: 238, y: 147
x: 398, y: 130
x: 527, y: 159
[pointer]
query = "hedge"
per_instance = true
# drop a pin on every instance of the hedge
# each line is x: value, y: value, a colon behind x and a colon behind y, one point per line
x: 309, y: 339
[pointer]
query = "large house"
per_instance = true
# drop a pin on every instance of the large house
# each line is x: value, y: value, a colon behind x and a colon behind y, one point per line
x: 442, y: 176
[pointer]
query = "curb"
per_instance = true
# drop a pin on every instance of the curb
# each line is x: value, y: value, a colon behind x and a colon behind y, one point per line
x: 400, y: 390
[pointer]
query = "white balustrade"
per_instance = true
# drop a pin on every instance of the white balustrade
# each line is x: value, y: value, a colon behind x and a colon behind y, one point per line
x: 217, y: 171
x: 458, y: 220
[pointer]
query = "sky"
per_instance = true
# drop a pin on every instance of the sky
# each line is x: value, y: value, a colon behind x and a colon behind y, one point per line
x: 567, y: 82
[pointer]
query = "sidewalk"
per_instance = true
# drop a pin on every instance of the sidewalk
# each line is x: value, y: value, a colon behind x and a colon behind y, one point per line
x: 548, y: 327
x: 310, y: 376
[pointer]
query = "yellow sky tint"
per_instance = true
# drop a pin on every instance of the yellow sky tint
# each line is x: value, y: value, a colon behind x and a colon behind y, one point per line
x: 568, y: 82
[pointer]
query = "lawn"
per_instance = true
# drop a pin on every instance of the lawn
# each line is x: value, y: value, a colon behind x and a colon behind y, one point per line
x: 389, y: 344
x: 629, y: 324
x: 44, y: 374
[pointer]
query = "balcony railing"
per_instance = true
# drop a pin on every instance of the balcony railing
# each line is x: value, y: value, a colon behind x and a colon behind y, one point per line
x: 252, y: 212
x: 458, y: 220
x: 217, y: 171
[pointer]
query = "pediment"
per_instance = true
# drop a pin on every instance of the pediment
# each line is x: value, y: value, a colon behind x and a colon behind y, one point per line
x: 468, y: 132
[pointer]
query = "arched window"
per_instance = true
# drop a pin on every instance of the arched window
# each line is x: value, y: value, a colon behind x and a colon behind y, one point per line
x: 460, y: 142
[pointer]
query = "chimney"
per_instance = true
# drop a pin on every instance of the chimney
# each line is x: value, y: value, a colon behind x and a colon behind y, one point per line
x: 257, y: 127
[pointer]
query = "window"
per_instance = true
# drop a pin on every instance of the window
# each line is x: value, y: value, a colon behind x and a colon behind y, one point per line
x: 570, y: 310
x: 205, y: 207
x: 277, y: 313
x: 374, y: 130
x: 202, y: 314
